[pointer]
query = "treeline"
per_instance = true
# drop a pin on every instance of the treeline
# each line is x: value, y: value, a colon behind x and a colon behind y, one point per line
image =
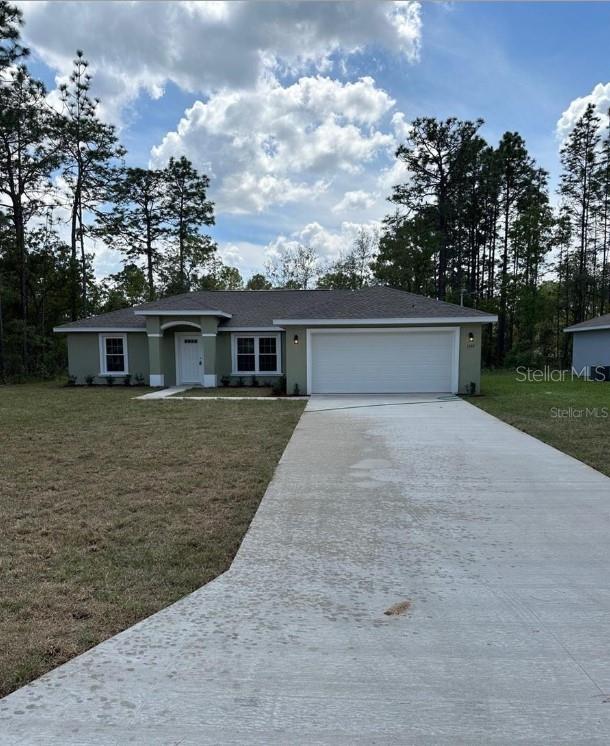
x: 473, y: 223
x: 64, y: 186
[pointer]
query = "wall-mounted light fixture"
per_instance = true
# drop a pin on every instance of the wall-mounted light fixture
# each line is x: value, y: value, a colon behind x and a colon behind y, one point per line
x: 470, y: 337
x: 295, y: 339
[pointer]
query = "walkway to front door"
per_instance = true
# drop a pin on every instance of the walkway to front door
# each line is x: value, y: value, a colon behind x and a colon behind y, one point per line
x: 189, y: 359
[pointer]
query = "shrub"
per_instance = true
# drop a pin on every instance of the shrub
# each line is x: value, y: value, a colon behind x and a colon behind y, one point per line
x: 127, y: 379
x: 139, y: 379
x: 110, y: 380
x: 225, y: 381
x: 89, y: 380
x: 72, y: 380
x: 296, y: 391
x: 254, y: 381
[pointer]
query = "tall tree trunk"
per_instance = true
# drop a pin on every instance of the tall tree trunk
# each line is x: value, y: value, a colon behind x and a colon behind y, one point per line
x: 74, y: 291
x: 441, y: 287
x: 83, y: 258
x: 605, y: 238
x: 582, y: 252
x: 18, y: 223
x: 2, y: 358
x: 149, y: 261
x: 501, y: 340
x: 181, y: 232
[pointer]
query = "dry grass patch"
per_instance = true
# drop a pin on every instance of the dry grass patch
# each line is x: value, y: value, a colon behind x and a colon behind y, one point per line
x: 230, y: 391
x: 114, y: 508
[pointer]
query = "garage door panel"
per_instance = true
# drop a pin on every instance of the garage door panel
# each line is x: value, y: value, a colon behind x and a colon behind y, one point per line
x: 381, y: 362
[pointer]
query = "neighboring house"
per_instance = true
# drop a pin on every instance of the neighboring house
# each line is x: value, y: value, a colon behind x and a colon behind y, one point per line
x: 374, y: 340
x: 591, y: 344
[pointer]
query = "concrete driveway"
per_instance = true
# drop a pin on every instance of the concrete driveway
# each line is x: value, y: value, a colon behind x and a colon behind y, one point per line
x: 499, y: 544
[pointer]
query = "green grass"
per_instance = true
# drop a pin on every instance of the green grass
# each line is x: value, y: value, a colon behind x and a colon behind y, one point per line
x: 229, y: 391
x: 114, y: 508
x: 573, y: 416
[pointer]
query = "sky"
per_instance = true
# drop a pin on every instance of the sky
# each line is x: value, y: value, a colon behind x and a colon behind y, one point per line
x: 295, y: 109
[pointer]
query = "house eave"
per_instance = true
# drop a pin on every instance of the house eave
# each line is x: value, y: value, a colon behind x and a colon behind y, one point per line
x: 250, y: 329
x: 574, y: 329
x: 97, y: 329
x: 427, y: 321
x: 177, y: 312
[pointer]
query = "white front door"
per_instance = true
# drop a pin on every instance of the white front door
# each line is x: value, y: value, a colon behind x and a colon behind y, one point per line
x: 189, y: 359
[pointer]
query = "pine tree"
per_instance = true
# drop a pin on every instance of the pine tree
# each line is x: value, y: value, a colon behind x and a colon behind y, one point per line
x: 135, y: 220
x: 407, y: 247
x: 11, y: 49
x: 603, y: 180
x: 515, y: 172
x: 436, y: 155
x: 124, y: 289
x: 27, y: 158
x: 187, y: 211
x: 88, y: 147
x: 579, y: 191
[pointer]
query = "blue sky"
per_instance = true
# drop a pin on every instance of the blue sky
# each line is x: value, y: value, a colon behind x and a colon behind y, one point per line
x: 295, y: 109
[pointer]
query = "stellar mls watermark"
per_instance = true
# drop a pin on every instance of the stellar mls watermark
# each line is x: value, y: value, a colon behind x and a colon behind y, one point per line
x: 549, y: 374
x: 578, y: 413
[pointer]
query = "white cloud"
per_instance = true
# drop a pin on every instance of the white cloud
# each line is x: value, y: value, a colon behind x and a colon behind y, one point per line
x: 401, y: 127
x: 356, y: 200
x: 207, y: 46
x: 274, y: 144
x: 329, y: 244
x: 389, y: 177
x: 306, y: 151
x: 599, y: 97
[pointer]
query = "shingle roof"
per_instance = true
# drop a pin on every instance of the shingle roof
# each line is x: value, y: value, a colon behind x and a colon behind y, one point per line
x: 123, y: 319
x: 259, y: 308
x: 599, y: 322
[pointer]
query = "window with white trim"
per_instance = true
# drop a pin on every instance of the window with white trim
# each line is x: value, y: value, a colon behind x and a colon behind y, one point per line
x: 113, y: 354
x: 256, y: 353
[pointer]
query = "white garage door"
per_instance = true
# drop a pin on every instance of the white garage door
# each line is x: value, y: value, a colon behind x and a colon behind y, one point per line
x: 382, y: 362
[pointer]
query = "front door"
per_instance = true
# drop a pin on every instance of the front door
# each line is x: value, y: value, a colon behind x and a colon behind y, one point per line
x: 189, y: 359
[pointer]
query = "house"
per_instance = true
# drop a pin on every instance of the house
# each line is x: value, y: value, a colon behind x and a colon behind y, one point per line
x: 591, y: 345
x: 374, y: 340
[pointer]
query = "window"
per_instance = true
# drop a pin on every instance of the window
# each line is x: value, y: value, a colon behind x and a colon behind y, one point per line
x: 113, y: 354
x: 256, y: 354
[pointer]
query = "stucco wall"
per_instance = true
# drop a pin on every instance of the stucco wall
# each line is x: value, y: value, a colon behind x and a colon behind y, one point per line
x: 84, y: 355
x: 223, y: 355
x: 470, y: 359
x: 168, y: 354
x: 591, y: 348
x: 469, y: 371
x: 296, y: 360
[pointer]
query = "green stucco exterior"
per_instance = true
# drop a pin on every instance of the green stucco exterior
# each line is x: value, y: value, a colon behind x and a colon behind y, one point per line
x: 84, y: 356
x: 469, y: 368
x: 470, y: 359
x: 153, y: 353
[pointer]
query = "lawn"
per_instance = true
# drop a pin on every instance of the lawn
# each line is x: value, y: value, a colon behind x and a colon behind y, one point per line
x: 114, y: 508
x: 573, y: 416
x: 229, y: 391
